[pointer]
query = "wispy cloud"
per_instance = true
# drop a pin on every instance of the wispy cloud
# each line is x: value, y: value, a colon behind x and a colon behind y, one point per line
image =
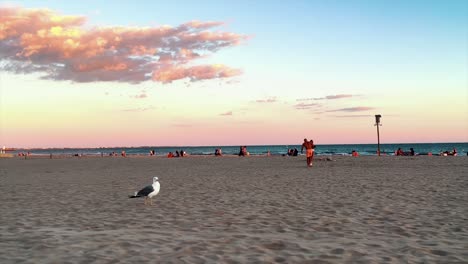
x: 60, y: 47
x: 268, y: 100
x: 328, y: 97
x: 140, y: 96
x: 139, y: 109
x: 226, y: 114
x: 353, y: 116
x: 304, y: 106
x: 353, y: 109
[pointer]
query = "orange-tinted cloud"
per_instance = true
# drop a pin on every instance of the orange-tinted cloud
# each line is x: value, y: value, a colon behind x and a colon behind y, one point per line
x: 194, y: 73
x: 39, y: 40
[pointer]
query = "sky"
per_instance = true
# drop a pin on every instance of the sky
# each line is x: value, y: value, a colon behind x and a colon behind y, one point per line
x: 213, y: 73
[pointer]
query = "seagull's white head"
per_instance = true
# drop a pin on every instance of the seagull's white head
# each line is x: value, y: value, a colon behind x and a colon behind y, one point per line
x: 155, y: 179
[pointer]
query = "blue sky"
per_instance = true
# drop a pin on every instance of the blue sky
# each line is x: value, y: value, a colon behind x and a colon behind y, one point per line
x: 404, y: 59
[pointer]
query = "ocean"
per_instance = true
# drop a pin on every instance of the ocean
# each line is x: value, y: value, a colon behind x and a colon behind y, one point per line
x: 335, y: 149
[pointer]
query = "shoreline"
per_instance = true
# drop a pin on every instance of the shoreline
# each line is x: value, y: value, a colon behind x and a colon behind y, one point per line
x: 361, y: 149
x: 78, y: 156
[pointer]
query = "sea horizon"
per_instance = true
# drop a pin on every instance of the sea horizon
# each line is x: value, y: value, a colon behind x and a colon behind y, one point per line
x: 229, y: 145
x: 278, y: 149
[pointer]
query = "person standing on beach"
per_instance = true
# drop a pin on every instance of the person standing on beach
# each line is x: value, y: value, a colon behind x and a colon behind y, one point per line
x: 309, y: 146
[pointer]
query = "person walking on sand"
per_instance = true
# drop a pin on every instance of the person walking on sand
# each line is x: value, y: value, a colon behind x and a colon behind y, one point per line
x: 309, y: 146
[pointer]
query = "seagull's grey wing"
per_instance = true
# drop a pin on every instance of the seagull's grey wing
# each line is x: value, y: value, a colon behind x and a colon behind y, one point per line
x: 145, y: 191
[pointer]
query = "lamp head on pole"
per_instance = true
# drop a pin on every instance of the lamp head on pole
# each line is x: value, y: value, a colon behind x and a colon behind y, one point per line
x: 377, y: 119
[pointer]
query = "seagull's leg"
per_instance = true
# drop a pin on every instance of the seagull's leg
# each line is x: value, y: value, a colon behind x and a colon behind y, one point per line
x: 146, y: 198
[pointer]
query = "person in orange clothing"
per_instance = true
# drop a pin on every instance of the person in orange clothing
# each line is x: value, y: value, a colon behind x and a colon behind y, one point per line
x: 170, y: 155
x: 354, y: 153
x: 309, y: 146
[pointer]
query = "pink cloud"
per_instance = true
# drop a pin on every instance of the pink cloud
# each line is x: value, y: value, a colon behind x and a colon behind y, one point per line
x: 353, y: 109
x: 226, y: 114
x: 60, y: 47
x: 195, y: 73
x: 303, y: 106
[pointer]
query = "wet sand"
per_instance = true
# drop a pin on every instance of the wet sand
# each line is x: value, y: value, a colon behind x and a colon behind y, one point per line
x: 235, y: 210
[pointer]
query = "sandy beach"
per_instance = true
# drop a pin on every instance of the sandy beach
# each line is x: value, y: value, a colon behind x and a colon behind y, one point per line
x: 235, y: 210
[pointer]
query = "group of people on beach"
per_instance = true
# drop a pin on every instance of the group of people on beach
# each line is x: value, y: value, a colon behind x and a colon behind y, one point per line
x: 177, y: 154
x: 411, y: 152
x: 400, y: 152
x: 450, y: 153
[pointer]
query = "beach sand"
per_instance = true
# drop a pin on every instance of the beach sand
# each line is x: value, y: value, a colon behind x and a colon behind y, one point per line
x: 235, y: 210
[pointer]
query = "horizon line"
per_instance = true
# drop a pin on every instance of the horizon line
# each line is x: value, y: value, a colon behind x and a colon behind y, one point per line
x: 195, y: 146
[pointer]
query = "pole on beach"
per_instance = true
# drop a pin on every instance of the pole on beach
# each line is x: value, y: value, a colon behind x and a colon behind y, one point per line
x: 377, y: 123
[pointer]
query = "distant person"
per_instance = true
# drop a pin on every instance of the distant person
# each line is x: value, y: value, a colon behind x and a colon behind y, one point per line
x: 399, y: 152
x: 411, y: 152
x: 182, y: 153
x: 268, y: 153
x: 123, y: 153
x: 309, y: 146
x: 176, y: 154
x: 354, y: 153
x: 454, y: 152
x: 170, y: 155
x: 295, y: 152
x: 218, y: 152
x: 243, y: 151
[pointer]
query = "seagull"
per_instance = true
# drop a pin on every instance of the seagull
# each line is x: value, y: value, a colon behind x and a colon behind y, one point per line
x: 148, y: 192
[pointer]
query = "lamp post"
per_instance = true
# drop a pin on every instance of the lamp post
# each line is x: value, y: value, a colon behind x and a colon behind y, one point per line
x: 377, y: 123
